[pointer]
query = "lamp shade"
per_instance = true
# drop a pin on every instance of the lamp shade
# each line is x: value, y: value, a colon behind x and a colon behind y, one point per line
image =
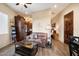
x: 48, y: 27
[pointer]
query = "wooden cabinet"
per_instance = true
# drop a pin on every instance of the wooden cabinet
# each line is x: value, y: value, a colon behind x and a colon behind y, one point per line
x: 20, y: 28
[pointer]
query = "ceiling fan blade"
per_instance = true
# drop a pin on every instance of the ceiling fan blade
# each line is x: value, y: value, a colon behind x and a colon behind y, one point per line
x: 25, y: 6
x: 17, y: 3
x: 28, y: 3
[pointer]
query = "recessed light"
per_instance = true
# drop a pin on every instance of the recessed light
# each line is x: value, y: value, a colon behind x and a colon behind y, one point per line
x: 55, y: 6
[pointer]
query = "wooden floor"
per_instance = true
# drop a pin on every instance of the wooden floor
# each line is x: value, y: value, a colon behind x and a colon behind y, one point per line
x: 58, y: 49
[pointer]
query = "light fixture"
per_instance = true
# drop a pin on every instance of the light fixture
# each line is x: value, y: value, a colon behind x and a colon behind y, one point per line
x: 55, y: 6
x: 24, y: 4
x: 21, y: 3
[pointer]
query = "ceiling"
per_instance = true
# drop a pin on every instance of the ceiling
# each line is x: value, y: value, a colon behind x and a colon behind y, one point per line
x: 35, y: 7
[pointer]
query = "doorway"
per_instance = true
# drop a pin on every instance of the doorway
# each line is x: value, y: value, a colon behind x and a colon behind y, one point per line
x: 68, y: 26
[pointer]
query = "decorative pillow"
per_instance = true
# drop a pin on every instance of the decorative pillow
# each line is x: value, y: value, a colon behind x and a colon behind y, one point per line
x: 35, y: 36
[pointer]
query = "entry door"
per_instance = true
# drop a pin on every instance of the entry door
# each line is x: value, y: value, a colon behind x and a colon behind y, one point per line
x: 68, y: 26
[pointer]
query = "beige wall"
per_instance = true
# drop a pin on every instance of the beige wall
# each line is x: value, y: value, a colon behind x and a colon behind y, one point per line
x: 41, y: 20
x: 5, y: 38
x: 59, y: 19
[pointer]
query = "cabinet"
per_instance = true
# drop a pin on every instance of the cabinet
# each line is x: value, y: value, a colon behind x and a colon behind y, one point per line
x: 20, y: 28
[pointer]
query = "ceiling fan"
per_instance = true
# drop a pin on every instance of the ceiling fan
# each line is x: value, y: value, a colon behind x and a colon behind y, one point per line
x: 24, y: 4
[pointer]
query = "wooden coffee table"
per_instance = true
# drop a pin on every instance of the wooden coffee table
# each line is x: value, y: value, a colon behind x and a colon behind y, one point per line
x: 26, y: 50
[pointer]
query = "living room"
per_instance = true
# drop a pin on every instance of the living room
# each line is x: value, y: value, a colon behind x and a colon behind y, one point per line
x: 44, y: 26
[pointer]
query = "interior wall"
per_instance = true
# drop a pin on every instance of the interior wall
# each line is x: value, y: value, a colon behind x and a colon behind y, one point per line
x: 40, y: 21
x: 59, y: 20
x: 5, y: 38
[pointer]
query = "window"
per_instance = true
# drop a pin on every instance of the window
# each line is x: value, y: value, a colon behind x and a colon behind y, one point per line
x: 3, y: 23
